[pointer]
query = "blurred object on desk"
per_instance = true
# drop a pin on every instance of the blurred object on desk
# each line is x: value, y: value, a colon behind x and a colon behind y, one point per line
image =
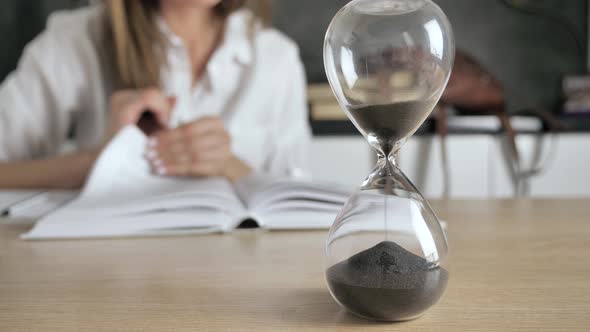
x: 475, y: 91
x: 576, y: 92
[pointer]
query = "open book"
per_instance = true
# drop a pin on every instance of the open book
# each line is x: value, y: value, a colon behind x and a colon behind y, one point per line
x: 122, y: 198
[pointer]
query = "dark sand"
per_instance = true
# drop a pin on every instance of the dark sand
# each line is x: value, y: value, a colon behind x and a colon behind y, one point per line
x: 387, y: 282
x: 392, y: 122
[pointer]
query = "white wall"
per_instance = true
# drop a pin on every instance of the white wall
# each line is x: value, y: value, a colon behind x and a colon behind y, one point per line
x: 477, y: 166
x: 567, y: 171
x: 345, y: 160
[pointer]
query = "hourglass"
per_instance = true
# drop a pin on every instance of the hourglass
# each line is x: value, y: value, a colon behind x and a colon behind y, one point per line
x: 388, y: 62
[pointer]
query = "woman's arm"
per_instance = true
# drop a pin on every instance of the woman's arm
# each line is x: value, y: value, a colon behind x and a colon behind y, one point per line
x: 63, y: 172
x: 70, y: 171
x: 36, y: 104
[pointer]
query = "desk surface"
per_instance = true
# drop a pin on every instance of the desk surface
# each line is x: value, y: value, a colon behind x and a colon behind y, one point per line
x: 515, y: 266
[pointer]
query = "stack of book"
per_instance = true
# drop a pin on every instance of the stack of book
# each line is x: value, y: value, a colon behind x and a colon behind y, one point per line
x: 576, y: 90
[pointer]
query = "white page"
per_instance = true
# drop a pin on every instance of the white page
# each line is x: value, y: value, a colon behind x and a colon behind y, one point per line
x: 123, y: 197
x: 250, y: 185
x: 291, y: 204
x: 259, y: 190
x: 77, y: 225
x: 9, y: 197
x: 298, y: 191
x: 296, y: 219
x: 38, y: 205
x: 122, y: 172
x: 301, y: 205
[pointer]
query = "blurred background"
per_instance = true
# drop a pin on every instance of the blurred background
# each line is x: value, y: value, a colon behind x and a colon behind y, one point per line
x: 535, y: 142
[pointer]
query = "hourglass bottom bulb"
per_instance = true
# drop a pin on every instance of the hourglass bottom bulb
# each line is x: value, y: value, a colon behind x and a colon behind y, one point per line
x: 387, y: 282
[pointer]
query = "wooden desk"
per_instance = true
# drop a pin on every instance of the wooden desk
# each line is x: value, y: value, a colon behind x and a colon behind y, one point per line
x: 516, y: 266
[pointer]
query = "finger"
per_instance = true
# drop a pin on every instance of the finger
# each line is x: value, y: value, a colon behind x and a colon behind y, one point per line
x: 167, y: 146
x: 157, y: 167
x: 130, y: 106
x: 175, y: 170
x: 166, y: 138
x: 185, y: 163
x: 206, y: 169
x: 210, y: 141
x: 210, y: 155
x: 204, y: 134
x: 180, y: 163
x: 199, y: 134
x: 172, y: 101
x: 200, y: 169
x: 181, y: 157
x: 174, y: 154
x: 202, y: 126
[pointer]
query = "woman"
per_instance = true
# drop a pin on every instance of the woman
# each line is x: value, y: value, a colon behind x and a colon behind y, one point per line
x: 226, y: 93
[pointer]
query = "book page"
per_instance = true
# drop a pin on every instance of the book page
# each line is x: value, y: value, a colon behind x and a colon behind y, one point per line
x: 34, y: 206
x: 292, y: 204
x: 122, y: 196
x: 122, y: 181
x: 249, y: 186
x: 288, y: 193
x: 9, y: 198
x: 78, y: 225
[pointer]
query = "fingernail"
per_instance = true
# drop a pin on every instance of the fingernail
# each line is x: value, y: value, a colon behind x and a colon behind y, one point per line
x: 158, y: 162
x: 152, y: 142
x: 151, y: 154
x: 161, y: 170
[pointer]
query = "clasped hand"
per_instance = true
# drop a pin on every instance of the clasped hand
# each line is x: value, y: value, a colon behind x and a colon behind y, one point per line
x: 198, y: 148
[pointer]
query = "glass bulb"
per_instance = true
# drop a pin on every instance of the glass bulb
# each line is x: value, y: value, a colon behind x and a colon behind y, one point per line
x: 388, y: 62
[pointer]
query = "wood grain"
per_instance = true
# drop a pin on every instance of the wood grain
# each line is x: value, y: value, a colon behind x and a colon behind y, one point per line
x: 515, y: 266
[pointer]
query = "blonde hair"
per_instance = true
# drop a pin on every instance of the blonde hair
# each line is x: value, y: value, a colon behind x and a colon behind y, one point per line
x: 136, y: 45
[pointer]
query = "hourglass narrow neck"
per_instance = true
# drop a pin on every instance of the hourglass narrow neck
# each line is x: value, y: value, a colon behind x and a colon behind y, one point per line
x: 387, y: 178
x: 386, y: 166
x: 385, y: 147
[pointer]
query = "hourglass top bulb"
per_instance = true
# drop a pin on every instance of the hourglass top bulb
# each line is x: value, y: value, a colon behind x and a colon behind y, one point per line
x: 388, y: 62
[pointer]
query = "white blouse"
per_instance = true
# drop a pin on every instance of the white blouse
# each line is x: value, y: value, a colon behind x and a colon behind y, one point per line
x: 255, y: 84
